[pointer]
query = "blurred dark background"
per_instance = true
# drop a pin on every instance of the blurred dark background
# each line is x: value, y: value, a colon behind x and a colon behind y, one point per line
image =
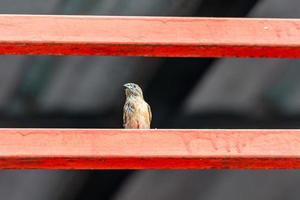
x: 86, y: 92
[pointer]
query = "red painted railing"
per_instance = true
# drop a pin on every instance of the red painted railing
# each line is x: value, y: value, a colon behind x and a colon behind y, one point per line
x: 149, y: 149
x: 149, y: 36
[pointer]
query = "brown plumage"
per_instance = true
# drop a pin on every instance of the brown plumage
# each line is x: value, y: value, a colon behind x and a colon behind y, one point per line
x: 136, y: 111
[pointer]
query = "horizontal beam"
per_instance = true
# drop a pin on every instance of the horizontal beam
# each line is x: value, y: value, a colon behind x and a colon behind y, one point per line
x: 148, y: 149
x: 149, y: 36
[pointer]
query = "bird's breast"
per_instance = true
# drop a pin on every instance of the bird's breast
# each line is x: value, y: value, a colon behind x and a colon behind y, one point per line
x: 138, y: 113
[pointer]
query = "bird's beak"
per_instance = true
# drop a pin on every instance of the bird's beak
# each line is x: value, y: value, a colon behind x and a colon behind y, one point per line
x: 126, y: 85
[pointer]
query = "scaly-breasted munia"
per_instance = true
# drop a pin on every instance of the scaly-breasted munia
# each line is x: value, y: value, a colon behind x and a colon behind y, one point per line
x: 136, y: 112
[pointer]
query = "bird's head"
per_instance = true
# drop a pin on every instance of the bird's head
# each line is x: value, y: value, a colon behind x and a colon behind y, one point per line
x: 132, y: 89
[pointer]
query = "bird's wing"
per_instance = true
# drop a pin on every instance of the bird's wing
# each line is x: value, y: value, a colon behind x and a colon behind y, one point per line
x: 129, y: 109
x: 150, y: 113
x: 124, y: 116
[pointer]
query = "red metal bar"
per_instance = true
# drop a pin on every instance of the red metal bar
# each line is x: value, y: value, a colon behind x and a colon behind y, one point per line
x: 149, y: 36
x: 149, y: 149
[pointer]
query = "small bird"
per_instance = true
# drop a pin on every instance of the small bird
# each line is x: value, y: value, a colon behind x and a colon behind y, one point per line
x: 136, y: 112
